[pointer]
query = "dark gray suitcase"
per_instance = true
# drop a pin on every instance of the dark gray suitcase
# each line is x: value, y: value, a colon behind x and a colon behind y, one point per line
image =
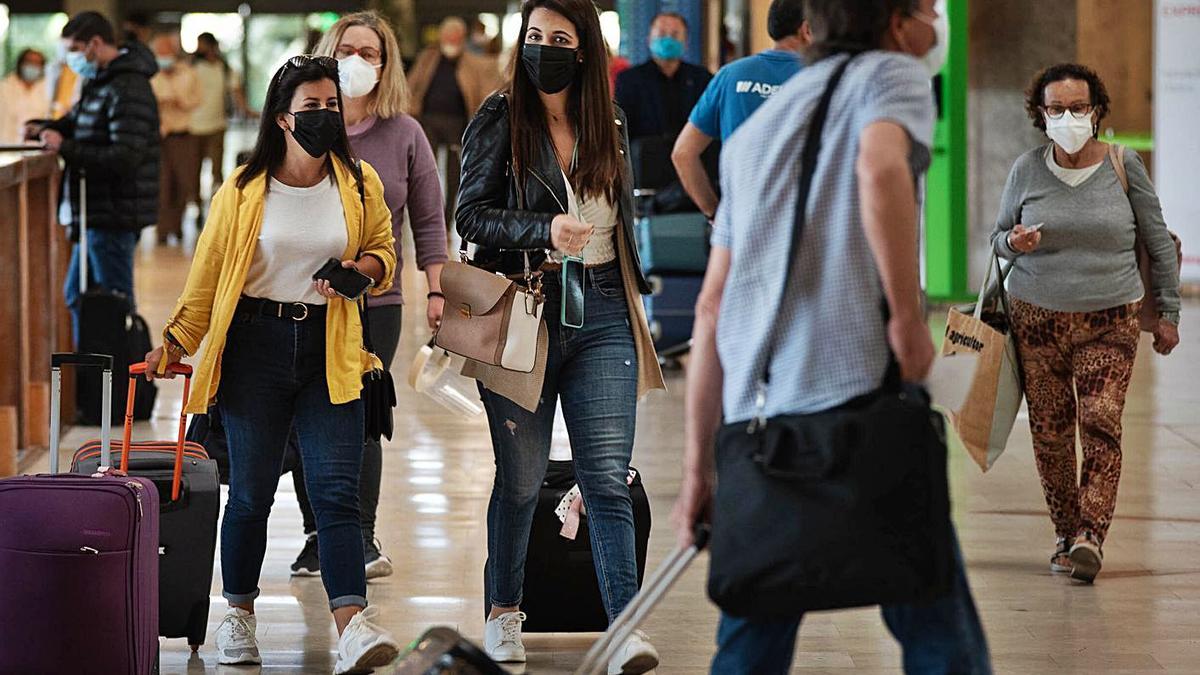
x: 187, y: 520
x: 675, y: 243
x: 671, y: 310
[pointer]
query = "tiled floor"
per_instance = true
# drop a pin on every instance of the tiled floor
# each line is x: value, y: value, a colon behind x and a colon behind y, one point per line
x: 1143, y: 616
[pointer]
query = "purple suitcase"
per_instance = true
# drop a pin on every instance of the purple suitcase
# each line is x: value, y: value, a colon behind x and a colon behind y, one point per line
x: 79, y: 561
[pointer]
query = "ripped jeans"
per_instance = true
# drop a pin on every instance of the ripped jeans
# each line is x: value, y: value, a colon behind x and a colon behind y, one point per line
x: 593, y: 371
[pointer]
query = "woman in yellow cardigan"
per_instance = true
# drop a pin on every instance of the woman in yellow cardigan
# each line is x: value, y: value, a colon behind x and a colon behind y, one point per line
x: 283, y: 350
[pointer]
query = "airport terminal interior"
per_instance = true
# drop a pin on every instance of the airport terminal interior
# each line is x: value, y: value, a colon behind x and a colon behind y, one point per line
x: 1140, y: 617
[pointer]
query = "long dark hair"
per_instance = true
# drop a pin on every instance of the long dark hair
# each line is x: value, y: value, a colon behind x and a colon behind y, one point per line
x: 600, y: 169
x: 271, y: 146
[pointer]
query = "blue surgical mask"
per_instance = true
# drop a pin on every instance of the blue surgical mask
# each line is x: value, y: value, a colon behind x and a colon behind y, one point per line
x: 165, y: 62
x: 77, y: 61
x: 666, y: 48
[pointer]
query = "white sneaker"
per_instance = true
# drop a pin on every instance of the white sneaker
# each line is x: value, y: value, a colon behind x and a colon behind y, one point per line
x: 502, y: 638
x: 364, y: 645
x: 635, y: 657
x: 236, y: 643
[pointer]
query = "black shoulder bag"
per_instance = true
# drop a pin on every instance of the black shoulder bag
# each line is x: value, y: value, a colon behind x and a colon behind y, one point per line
x: 842, y: 508
x: 378, y: 390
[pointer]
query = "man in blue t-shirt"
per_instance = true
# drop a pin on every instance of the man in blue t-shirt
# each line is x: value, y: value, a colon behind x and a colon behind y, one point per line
x: 735, y: 93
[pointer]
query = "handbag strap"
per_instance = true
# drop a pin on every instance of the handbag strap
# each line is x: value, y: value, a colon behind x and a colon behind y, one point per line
x: 808, y: 169
x: 997, y: 271
x: 1116, y: 153
x: 363, y: 317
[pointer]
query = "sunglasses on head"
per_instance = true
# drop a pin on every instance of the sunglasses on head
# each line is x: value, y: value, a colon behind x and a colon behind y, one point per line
x: 327, y: 62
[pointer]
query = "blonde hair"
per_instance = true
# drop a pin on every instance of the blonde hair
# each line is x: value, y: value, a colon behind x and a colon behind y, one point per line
x: 390, y: 97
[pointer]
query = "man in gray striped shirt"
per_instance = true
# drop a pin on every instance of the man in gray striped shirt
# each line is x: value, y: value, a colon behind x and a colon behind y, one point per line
x: 831, y: 339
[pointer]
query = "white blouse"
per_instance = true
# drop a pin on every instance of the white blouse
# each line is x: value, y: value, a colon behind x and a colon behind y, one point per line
x: 302, y: 228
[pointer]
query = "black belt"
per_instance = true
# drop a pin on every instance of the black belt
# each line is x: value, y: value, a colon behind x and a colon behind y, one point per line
x: 296, y: 311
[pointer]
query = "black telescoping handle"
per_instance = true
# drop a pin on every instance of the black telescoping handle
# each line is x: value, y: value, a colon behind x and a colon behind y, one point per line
x: 102, y: 361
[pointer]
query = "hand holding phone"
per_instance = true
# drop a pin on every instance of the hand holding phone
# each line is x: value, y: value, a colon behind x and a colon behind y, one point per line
x: 344, y: 281
x: 1025, y: 239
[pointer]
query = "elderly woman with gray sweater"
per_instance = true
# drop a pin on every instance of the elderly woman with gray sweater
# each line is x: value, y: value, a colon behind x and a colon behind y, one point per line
x: 1069, y: 227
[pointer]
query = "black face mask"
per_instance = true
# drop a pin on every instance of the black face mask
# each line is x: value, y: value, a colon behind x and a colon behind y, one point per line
x: 317, y: 130
x: 551, y: 68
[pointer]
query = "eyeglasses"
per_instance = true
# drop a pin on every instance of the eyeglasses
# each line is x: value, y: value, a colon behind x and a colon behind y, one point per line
x: 367, y: 53
x: 1078, y: 110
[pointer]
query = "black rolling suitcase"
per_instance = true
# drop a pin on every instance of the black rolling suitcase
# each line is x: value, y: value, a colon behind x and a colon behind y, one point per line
x: 108, y: 325
x: 189, y: 487
x: 442, y: 651
x: 562, y: 594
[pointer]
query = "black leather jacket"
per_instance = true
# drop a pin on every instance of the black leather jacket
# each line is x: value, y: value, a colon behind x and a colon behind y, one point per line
x: 504, y: 223
x: 112, y: 134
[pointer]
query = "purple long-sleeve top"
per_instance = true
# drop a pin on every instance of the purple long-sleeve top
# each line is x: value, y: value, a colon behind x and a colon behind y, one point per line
x: 398, y: 150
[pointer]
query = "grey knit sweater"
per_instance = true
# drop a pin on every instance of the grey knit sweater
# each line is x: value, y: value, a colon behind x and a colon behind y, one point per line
x: 1086, y: 261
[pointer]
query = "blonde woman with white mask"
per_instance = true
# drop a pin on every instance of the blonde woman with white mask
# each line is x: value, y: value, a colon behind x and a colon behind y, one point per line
x: 1069, y: 226
x: 375, y: 97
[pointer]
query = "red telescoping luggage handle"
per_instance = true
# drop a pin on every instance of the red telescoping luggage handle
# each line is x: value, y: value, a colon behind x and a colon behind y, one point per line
x: 139, y: 369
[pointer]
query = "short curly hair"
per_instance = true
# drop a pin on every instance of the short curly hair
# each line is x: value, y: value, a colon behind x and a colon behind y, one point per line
x: 1035, y: 95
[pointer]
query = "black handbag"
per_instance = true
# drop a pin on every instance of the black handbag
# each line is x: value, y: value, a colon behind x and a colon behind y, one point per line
x: 378, y: 390
x: 842, y: 508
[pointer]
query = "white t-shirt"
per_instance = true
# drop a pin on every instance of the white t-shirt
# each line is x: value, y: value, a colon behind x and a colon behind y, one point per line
x: 302, y: 229
x: 1072, y: 177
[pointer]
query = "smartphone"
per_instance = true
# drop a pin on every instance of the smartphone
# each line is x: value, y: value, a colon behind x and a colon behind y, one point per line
x: 572, y: 291
x: 348, y: 283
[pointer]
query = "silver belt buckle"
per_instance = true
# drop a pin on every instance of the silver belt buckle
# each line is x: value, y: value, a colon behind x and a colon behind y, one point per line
x: 303, y: 307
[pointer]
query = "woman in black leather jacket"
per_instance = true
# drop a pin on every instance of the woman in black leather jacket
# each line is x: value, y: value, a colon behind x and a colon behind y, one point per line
x: 545, y: 172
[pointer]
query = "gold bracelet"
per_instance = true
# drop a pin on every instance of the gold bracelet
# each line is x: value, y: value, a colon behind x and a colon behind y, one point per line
x: 175, y: 349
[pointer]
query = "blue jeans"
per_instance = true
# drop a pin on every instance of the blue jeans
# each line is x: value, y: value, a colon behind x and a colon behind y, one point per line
x: 273, y: 376
x: 110, y: 266
x: 942, y: 637
x: 593, y: 371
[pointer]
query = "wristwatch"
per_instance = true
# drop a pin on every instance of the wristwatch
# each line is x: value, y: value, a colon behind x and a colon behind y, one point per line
x: 1170, y: 317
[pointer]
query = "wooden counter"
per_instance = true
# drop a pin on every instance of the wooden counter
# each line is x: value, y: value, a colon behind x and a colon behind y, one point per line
x: 34, y: 255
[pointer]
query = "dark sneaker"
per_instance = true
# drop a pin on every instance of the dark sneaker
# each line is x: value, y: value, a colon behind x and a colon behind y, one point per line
x: 378, y: 564
x: 308, y: 563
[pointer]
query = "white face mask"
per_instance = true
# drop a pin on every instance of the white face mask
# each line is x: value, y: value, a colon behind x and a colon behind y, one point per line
x: 356, y: 76
x: 1069, y: 133
x: 935, y: 58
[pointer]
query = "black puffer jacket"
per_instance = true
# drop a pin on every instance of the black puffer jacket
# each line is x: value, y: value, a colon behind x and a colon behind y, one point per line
x: 504, y: 223
x: 112, y: 135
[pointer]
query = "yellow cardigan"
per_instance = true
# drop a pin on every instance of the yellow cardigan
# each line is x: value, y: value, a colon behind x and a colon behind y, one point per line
x: 222, y: 261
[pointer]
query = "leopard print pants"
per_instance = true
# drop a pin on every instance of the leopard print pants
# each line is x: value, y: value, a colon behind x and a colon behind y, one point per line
x: 1077, y: 367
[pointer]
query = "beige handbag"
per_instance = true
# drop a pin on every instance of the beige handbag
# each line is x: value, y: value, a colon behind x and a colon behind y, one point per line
x: 490, y: 318
x: 1148, y: 316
